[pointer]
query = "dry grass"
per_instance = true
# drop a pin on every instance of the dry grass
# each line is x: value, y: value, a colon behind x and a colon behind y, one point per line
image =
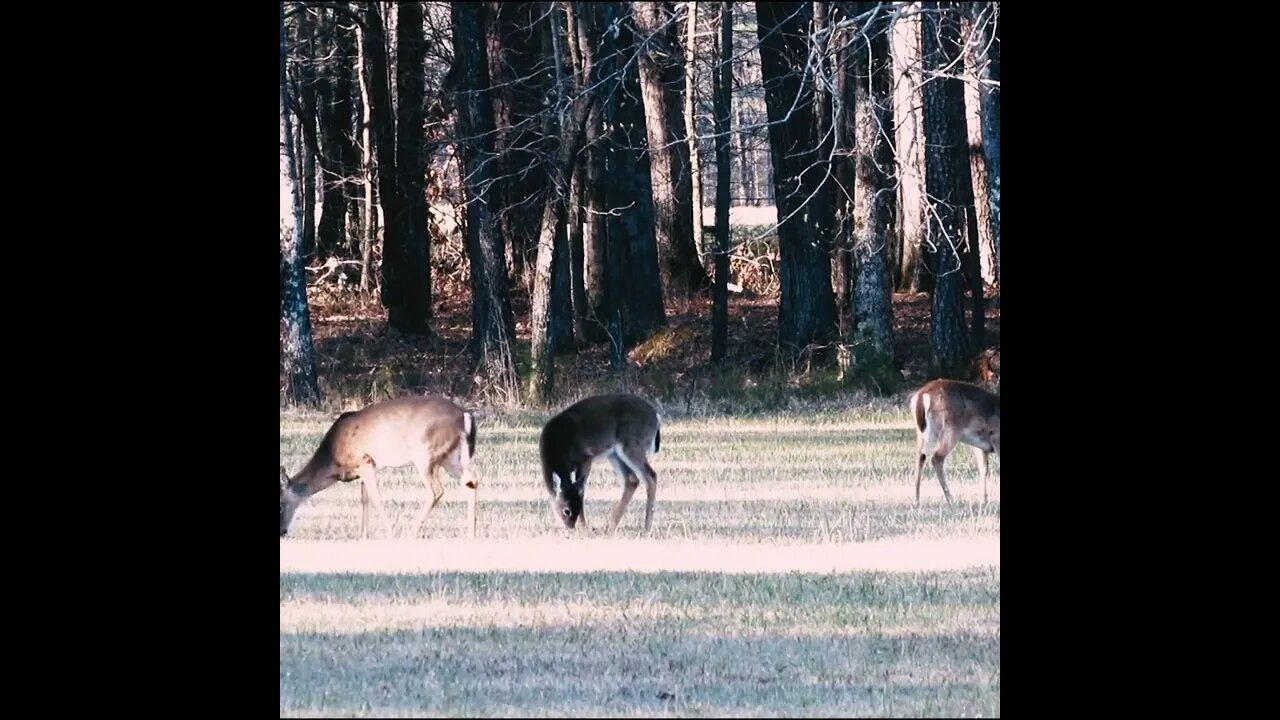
x: 787, y: 574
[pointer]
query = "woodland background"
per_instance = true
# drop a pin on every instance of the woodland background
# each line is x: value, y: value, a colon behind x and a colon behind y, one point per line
x: 731, y: 206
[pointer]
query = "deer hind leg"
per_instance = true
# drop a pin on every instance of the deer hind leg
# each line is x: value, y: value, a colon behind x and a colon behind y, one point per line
x: 939, y: 459
x: 980, y: 455
x: 651, y: 491
x: 429, y: 477
x: 636, y: 461
x: 629, y: 484
x: 920, y: 456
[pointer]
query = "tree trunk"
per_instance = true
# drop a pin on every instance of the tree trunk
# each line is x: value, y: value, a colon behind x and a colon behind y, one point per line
x: 989, y: 91
x: 844, y: 171
x: 668, y: 157
x: 334, y: 92
x: 944, y: 156
x: 691, y: 125
x: 632, y: 244
x: 406, y: 269
x: 305, y: 101
x: 515, y: 36
x: 413, y: 313
x: 493, y: 325
x: 822, y: 204
x: 723, y: 96
x: 577, y: 259
x: 872, y: 308
x: 595, y: 252
x: 552, y: 237
x: 366, y: 169
x: 297, y: 353
x: 909, y: 259
x: 806, y: 315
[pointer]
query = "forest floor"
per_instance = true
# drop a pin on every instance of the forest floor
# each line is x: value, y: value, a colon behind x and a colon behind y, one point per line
x: 359, y: 358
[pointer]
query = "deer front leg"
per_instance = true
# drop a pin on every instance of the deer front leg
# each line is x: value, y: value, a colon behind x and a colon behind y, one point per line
x: 370, y: 494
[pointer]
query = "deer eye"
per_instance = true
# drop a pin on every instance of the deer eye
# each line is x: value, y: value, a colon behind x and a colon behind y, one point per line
x: 566, y: 512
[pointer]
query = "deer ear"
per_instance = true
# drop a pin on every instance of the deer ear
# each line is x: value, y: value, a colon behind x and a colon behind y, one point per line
x: 555, y: 479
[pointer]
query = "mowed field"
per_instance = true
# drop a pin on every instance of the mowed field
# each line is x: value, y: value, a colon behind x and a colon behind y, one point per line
x: 787, y: 573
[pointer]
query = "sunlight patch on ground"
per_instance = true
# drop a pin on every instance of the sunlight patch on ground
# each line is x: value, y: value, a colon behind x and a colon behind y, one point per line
x: 617, y: 555
x: 607, y: 487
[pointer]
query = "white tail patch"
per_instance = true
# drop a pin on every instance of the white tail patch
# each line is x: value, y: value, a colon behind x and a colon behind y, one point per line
x: 621, y: 455
x: 467, y: 422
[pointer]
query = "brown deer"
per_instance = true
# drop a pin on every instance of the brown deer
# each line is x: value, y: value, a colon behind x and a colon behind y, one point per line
x: 426, y: 432
x: 949, y: 412
x: 621, y: 427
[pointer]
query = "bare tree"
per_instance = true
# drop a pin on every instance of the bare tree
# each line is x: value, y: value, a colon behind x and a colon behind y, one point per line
x: 633, y: 286
x: 493, y: 325
x: 668, y: 156
x: 987, y: 24
x: 691, y: 120
x: 908, y: 258
x: 872, y: 310
x: 723, y: 94
x: 398, y: 137
x: 806, y: 314
x: 552, y: 236
x: 944, y: 153
x: 335, y: 90
x: 297, y: 354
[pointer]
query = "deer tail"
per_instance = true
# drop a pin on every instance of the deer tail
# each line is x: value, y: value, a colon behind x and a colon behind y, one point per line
x: 469, y: 429
x: 920, y: 406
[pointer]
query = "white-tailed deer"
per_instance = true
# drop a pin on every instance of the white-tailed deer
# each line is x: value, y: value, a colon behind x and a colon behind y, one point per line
x: 949, y: 412
x: 624, y: 429
x: 426, y: 432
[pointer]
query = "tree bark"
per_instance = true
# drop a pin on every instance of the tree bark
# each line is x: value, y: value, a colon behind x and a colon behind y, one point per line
x: 668, y: 157
x: 413, y: 313
x: 691, y: 125
x: 297, y: 353
x: 493, y: 325
x: 632, y: 245
x: 723, y: 96
x: 944, y: 154
x: 406, y: 271
x: 989, y: 92
x: 806, y: 315
x: 334, y: 93
x: 908, y: 269
x: 515, y: 36
x: 872, y: 308
x: 595, y: 327
x: 552, y: 236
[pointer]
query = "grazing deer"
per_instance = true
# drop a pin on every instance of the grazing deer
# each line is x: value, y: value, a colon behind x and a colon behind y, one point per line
x: 426, y: 432
x: 949, y: 412
x: 622, y: 428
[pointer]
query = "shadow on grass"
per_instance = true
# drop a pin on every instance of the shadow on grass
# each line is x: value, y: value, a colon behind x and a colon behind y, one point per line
x: 747, y: 646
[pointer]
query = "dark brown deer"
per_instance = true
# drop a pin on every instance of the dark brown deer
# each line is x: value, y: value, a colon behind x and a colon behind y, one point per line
x: 624, y: 429
x: 950, y: 412
x: 427, y: 432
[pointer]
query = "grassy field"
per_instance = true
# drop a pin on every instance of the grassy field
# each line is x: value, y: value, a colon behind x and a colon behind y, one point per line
x: 787, y: 574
